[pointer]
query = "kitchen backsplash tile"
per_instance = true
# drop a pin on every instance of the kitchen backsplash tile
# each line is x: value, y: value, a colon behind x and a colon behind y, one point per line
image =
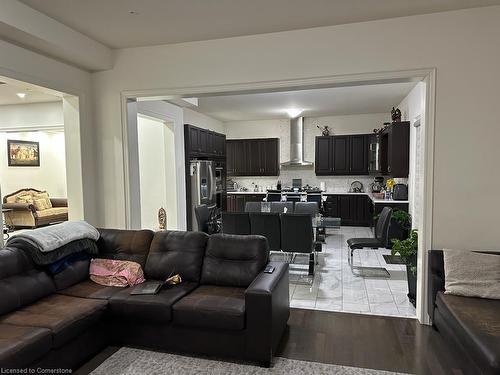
x: 333, y: 183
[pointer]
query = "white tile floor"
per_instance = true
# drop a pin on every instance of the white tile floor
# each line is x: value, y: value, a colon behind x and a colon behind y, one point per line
x: 335, y: 288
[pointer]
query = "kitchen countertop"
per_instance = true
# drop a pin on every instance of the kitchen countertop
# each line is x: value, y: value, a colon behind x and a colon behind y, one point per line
x: 374, y: 200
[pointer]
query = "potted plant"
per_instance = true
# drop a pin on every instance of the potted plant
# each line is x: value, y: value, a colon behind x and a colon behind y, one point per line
x: 400, y: 225
x: 407, y: 249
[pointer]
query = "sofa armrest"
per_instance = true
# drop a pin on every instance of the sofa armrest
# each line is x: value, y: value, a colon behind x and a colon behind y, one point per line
x: 267, y: 305
x: 436, y: 278
x: 59, y: 202
x: 19, y: 206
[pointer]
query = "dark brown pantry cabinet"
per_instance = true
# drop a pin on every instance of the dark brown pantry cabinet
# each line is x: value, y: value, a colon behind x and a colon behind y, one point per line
x: 395, y: 147
x: 252, y: 157
x: 341, y: 155
x: 203, y: 142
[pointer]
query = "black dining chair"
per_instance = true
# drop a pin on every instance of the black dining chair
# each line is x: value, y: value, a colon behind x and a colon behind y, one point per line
x: 279, y: 207
x: 273, y: 196
x: 267, y: 224
x: 314, y: 196
x: 311, y: 208
x: 381, y: 238
x: 293, y: 197
x: 297, y: 236
x: 253, y: 207
x: 202, y: 213
x: 236, y: 223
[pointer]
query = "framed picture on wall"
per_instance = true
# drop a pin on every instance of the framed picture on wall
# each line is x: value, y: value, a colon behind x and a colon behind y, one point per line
x: 23, y: 153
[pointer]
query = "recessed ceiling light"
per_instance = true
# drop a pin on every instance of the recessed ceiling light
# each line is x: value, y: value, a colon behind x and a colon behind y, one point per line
x: 293, y: 112
x: 21, y: 95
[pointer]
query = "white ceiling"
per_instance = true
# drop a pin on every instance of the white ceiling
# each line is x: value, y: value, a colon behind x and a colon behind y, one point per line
x: 317, y: 102
x: 175, y: 21
x: 8, y: 95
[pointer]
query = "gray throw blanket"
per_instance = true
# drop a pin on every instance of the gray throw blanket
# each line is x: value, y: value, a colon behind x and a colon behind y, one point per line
x: 44, y: 259
x: 53, y: 237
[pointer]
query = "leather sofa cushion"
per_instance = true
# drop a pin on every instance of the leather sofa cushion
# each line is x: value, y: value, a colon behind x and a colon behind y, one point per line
x: 150, y: 308
x: 232, y: 260
x: 67, y: 317
x: 21, y: 345
x: 176, y: 252
x: 215, y: 307
x: 123, y: 244
x: 90, y: 289
x: 20, y: 283
x: 72, y: 274
x: 476, y: 323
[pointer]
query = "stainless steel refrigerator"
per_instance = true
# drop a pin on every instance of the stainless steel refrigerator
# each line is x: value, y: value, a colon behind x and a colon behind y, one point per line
x: 203, y: 186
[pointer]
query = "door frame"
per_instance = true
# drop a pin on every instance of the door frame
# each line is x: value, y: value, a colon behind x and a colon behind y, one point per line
x: 426, y: 75
x: 76, y: 111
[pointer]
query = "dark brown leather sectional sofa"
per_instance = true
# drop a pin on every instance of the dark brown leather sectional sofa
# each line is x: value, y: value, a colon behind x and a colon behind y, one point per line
x: 226, y: 305
x: 470, y: 324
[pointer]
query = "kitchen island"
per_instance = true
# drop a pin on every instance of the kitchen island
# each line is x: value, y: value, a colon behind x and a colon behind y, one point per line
x: 354, y: 209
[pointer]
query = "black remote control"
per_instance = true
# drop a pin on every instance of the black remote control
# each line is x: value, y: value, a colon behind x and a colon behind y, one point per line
x: 269, y: 269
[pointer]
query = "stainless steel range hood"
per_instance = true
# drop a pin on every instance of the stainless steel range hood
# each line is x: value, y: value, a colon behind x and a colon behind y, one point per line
x: 297, y: 144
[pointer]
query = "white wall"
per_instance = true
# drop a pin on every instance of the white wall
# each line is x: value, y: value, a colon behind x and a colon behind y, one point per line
x: 157, y: 171
x: 50, y: 176
x: 21, y: 64
x: 37, y: 115
x: 151, y: 141
x: 459, y: 44
x: 353, y: 124
x: 202, y: 121
x: 412, y: 107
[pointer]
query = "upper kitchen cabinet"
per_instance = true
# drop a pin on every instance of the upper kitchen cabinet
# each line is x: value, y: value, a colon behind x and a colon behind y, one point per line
x: 203, y: 143
x: 395, y: 149
x: 342, y: 155
x: 253, y: 157
x: 323, y: 164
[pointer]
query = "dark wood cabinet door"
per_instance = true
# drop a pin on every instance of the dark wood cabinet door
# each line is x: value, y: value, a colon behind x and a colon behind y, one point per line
x: 269, y: 157
x: 193, y: 140
x: 204, y: 141
x: 220, y: 144
x: 253, y: 157
x: 341, y: 153
x: 358, y: 155
x: 323, y: 156
x: 236, y: 158
x: 230, y: 167
x: 345, y: 209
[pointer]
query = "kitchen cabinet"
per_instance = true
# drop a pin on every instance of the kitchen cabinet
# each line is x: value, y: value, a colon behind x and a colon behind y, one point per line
x: 323, y: 163
x: 341, y: 155
x: 203, y: 143
x: 358, y: 154
x: 237, y: 202
x: 253, y: 157
x: 395, y: 149
x: 350, y: 208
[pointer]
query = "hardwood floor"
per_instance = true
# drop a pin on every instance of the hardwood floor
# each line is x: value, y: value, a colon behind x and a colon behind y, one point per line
x: 376, y: 342
x: 384, y: 343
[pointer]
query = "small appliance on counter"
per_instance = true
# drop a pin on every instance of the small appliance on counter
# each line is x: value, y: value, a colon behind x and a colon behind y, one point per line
x: 356, y: 187
x: 377, y: 184
x: 400, y: 192
x: 231, y: 185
